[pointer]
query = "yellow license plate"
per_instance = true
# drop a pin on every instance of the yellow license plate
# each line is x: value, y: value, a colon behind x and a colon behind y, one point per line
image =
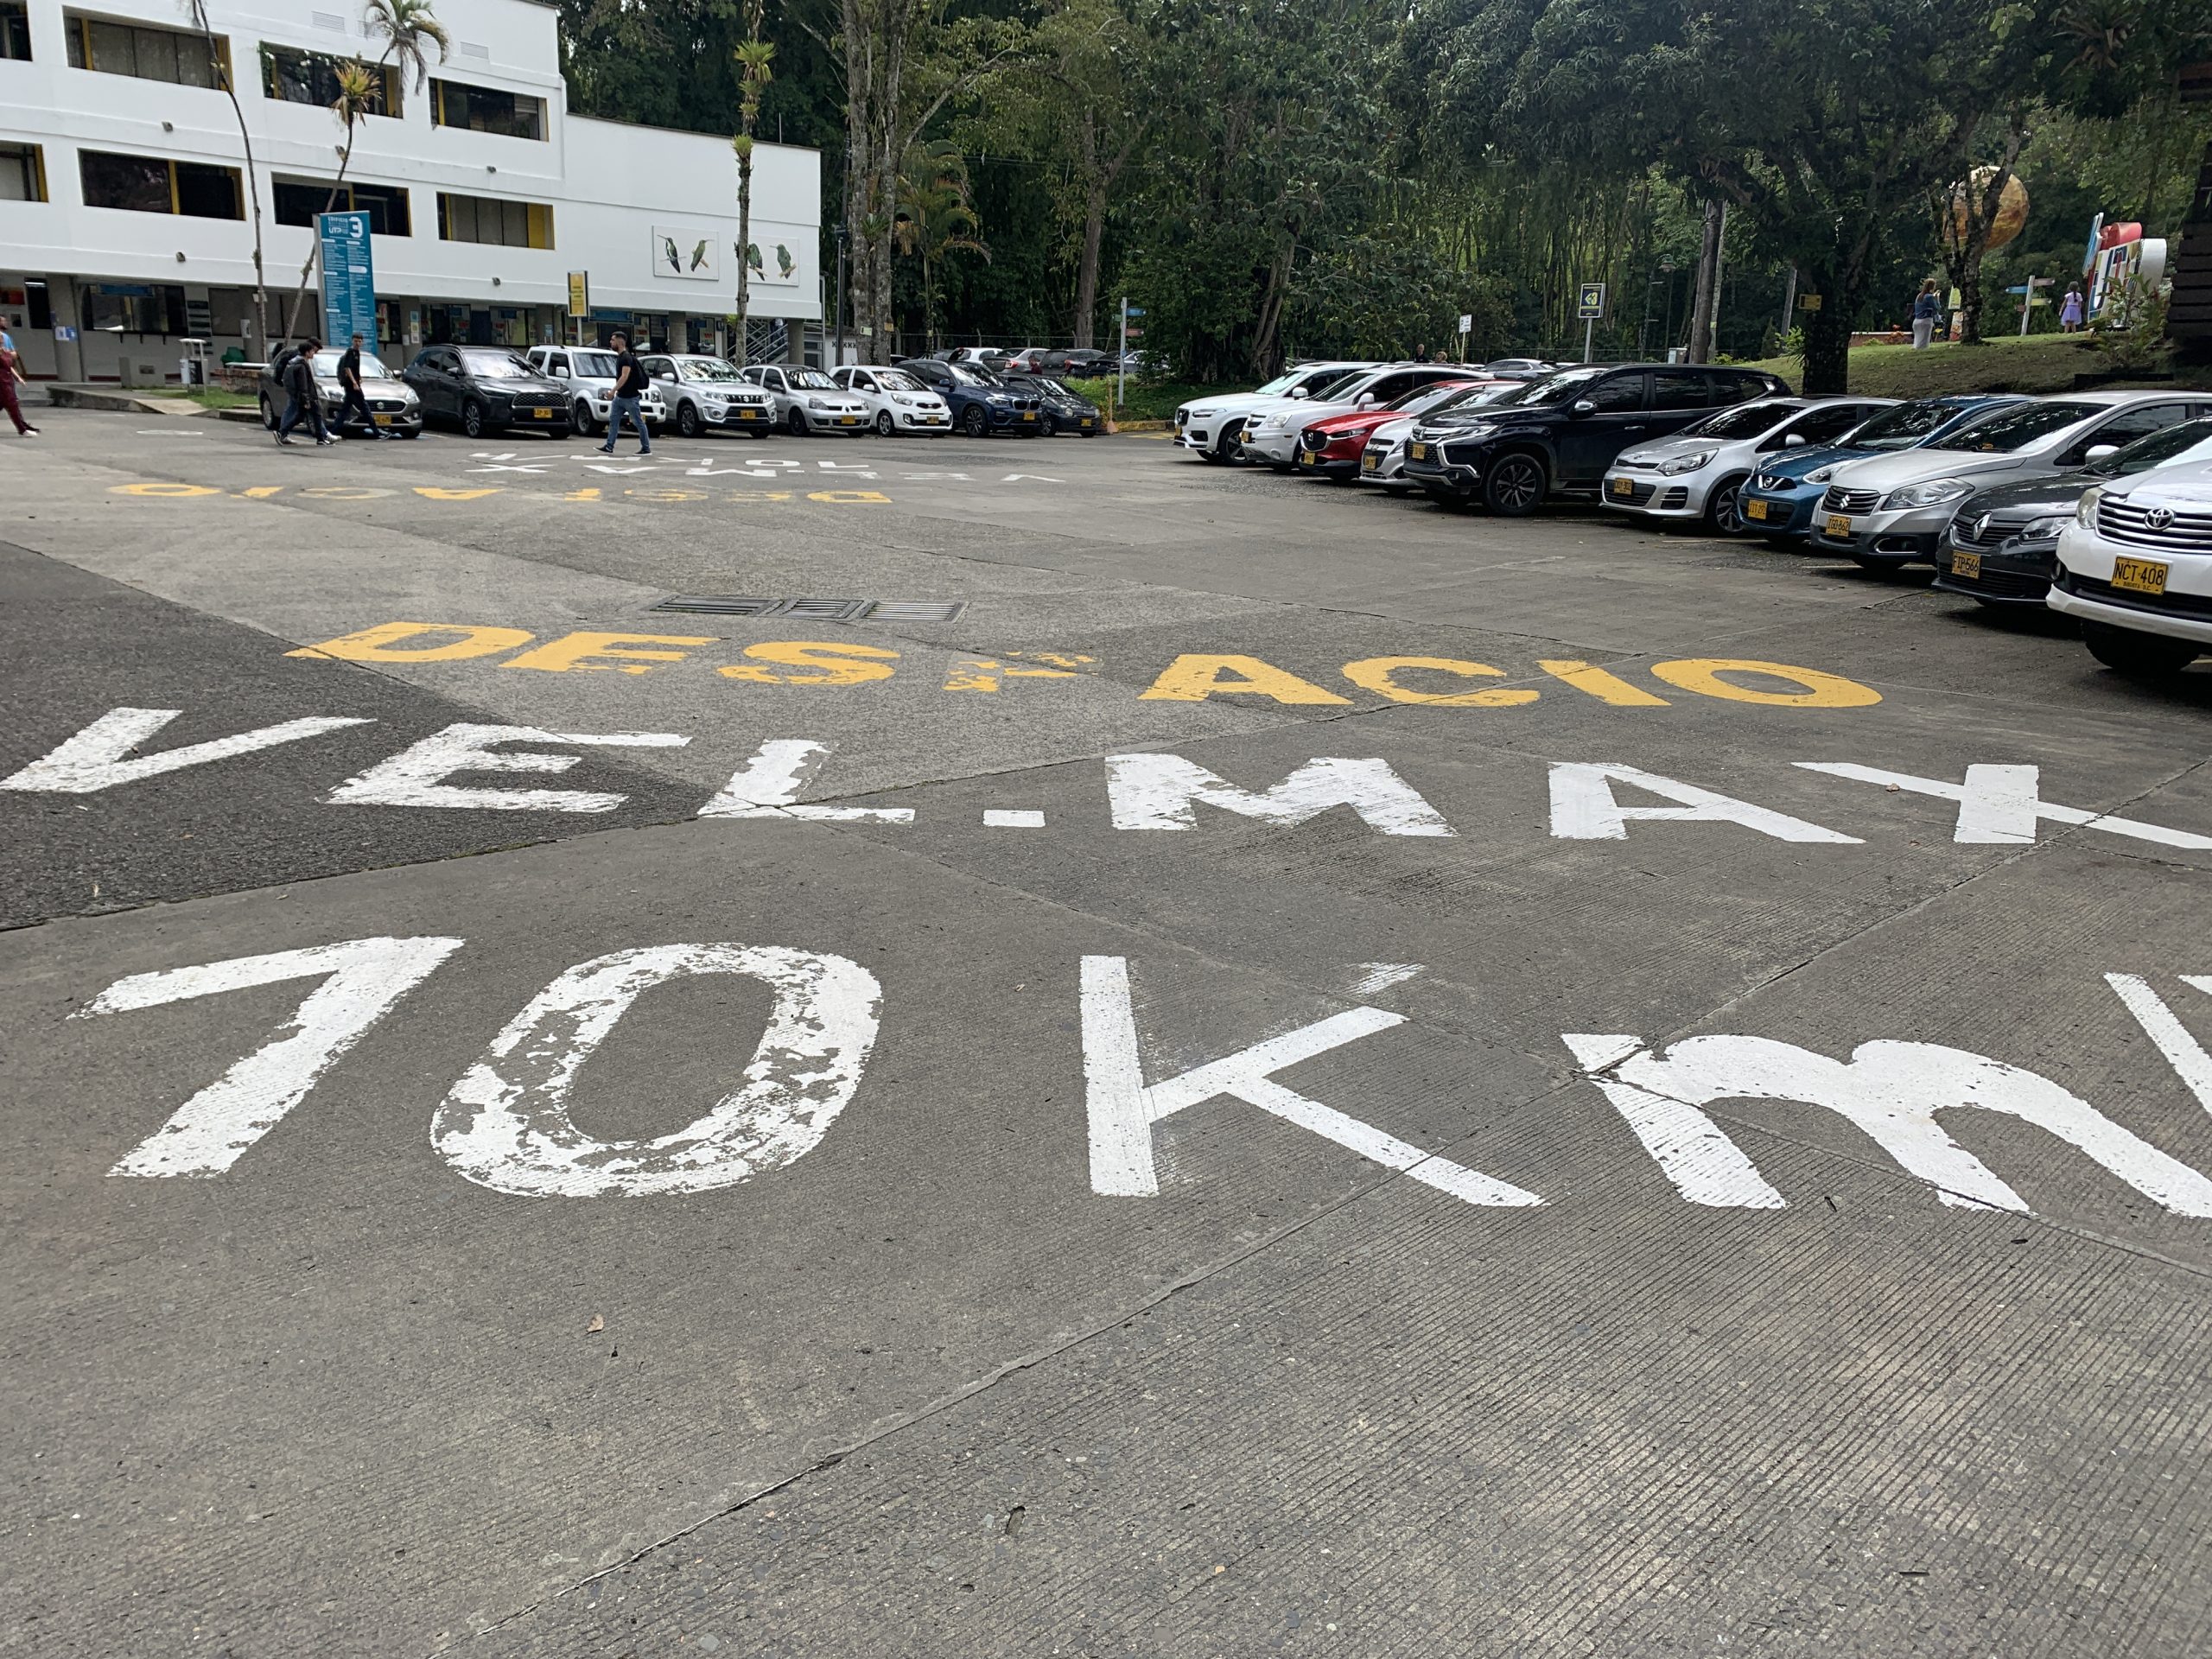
x: 542, y: 414
x: 1755, y: 510
x: 1622, y: 487
x: 2139, y: 576
x: 1370, y: 463
x: 1966, y: 567
x: 1418, y: 451
x: 1028, y: 414
x: 384, y: 420
x: 1837, y: 525
x: 848, y: 420
x: 1088, y: 422
x: 748, y: 414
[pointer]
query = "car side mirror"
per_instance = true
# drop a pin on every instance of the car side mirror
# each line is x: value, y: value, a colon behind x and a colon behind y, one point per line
x: 1366, y: 401
x: 1298, y: 391
x: 1582, y: 406
x: 2099, y: 452
x: 1795, y: 440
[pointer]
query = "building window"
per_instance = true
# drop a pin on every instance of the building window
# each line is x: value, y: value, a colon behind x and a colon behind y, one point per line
x: 135, y: 308
x: 297, y: 76
x: 14, y: 31
x: 22, y: 173
x: 298, y: 201
x: 480, y: 109
x: 506, y: 223
x: 149, y: 53
x: 149, y: 184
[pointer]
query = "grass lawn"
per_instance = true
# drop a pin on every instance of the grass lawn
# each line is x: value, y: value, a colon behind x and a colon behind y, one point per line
x: 221, y: 397
x: 2040, y: 363
x: 1148, y: 400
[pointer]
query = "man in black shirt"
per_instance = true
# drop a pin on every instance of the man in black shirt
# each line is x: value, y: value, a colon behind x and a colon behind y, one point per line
x: 349, y: 385
x: 630, y: 382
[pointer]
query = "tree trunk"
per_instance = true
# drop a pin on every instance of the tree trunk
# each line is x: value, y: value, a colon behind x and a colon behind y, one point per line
x: 1708, y: 266
x: 315, y: 241
x: 1086, y: 273
x: 1828, y: 340
x: 744, y: 243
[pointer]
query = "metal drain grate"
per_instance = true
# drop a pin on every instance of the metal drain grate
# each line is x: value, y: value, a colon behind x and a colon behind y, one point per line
x: 818, y: 610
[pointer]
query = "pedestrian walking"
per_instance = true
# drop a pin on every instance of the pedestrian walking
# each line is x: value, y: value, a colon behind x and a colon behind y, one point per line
x: 11, y: 373
x: 629, y: 386
x: 349, y: 385
x: 1927, y: 311
x: 306, y: 403
x: 2070, y: 314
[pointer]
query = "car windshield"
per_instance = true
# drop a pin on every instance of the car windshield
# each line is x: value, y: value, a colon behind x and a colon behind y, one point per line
x: 810, y: 380
x: 2016, y: 427
x: 1334, y: 382
x: 2168, y: 443
x: 1744, y: 420
x: 707, y: 368
x: 1553, y: 388
x: 1903, y: 427
x: 974, y: 374
x: 496, y: 365
x: 326, y: 366
x: 897, y: 380
x: 593, y: 365
x: 1421, y: 399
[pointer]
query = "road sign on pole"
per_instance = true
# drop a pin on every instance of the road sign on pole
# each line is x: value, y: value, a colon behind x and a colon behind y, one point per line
x: 1589, y: 300
x: 349, y: 279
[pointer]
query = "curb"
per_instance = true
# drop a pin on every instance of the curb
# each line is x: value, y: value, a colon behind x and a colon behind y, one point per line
x: 67, y: 397
x: 1142, y: 426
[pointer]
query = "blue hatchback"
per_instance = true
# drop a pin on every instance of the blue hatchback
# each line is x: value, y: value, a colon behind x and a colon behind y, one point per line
x: 1779, y: 502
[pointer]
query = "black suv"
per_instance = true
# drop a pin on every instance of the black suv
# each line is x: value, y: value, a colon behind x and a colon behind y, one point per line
x: 1558, y: 433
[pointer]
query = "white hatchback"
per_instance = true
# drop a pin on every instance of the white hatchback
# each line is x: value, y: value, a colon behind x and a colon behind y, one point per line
x: 896, y: 401
x: 2135, y: 570
x: 1692, y: 475
x: 808, y: 400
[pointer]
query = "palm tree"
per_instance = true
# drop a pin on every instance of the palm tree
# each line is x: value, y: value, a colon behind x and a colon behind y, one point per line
x: 753, y: 56
x: 207, y: 28
x: 936, y: 217
x: 408, y: 29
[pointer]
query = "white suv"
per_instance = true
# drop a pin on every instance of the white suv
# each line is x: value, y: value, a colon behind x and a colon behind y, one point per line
x: 808, y: 400
x: 589, y: 371
x: 707, y: 392
x: 2135, y: 570
x: 1211, y: 427
x: 898, y: 401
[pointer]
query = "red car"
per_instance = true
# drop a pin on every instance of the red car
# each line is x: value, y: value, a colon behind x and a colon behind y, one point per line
x: 1330, y: 446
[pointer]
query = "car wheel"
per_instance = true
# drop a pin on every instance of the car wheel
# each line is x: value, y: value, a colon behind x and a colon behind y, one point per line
x: 973, y: 422
x: 2138, y: 656
x: 1724, y: 513
x: 797, y: 422
x: 267, y: 413
x: 1224, y: 448
x: 472, y: 418
x: 581, y: 418
x: 1515, y: 487
x: 687, y: 419
x: 883, y: 424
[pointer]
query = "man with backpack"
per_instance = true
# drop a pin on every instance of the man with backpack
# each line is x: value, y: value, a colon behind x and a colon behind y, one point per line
x: 298, y: 378
x: 630, y: 384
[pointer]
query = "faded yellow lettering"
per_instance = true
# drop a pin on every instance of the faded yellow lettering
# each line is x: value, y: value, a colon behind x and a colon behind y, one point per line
x: 758, y: 495
x: 833, y: 662
x: 576, y: 652
x: 342, y: 493
x: 1379, y: 674
x: 667, y: 495
x: 262, y: 492
x: 376, y: 645
x: 1194, y: 678
x: 847, y: 498
x: 163, y: 489
x: 1815, y: 689
x: 581, y: 495
x: 432, y: 493
x: 984, y: 673
x: 1606, y: 688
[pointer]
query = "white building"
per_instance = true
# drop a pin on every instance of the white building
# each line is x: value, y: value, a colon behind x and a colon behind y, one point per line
x: 125, y: 221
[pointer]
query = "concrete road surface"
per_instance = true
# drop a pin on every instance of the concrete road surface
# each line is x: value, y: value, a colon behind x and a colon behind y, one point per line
x: 929, y: 1047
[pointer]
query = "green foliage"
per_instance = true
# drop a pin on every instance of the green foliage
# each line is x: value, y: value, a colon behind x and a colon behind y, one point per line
x: 2137, y: 343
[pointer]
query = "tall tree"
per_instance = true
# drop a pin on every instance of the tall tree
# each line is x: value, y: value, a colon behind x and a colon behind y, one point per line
x: 754, y: 60
x: 936, y: 216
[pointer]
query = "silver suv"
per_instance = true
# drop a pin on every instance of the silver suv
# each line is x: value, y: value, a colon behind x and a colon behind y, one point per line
x: 704, y: 392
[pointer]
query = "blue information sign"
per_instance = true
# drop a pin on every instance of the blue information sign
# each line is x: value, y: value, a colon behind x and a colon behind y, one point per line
x: 349, y: 280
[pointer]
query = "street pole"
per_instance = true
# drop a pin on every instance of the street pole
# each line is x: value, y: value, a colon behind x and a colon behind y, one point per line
x: 1788, y: 298
x: 1121, y: 359
x: 1720, y: 262
x: 837, y: 299
x: 1589, y: 327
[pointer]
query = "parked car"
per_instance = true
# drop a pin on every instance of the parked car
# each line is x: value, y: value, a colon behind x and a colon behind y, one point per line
x: 1518, y: 368
x: 1064, y: 411
x: 393, y: 406
x: 982, y: 404
x: 1559, y: 435
x: 1210, y: 427
x: 2135, y: 570
x: 1030, y: 360
x: 1273, y: 437
x: 487, y: 389
x: 1695, y: 476
x: 1383, y: 460
x: 1084, y: 363
x: 2002, y: 545
x: 704, y: 392
x: 807, y: 400
x: 1888, y: 511
x: 589, y: 372
x: 986, y: 357
x: 1333, y: 446
x: 1781, y: 501
x: 897, y: 402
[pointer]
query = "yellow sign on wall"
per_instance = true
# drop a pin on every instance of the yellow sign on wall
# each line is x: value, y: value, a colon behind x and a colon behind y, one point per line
x: 580, y: 293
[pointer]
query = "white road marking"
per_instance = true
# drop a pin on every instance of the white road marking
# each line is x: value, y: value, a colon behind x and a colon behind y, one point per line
x: 1583, y: 807
x: 2001, y: 804
x: 93, y: 758
x: 1004, y: 817
x: 1892, y: 1091
x: 767, y: 786
x: 362, y: 978
x: 506, y: 1125
x: 1381, y: 975
x: 1158, y: 791
x: 1122, y: 1107
x: 2175, y: 1041
x: 415, y: 776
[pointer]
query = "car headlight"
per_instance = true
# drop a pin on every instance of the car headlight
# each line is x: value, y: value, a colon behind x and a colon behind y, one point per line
x: 1198, y: 413
x: 2043, y: 530
x: 1933, y: 493
x: 1479, y: 430
x: 1689, y: 463
x: 815, y: 403
x: 2085, y: 510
